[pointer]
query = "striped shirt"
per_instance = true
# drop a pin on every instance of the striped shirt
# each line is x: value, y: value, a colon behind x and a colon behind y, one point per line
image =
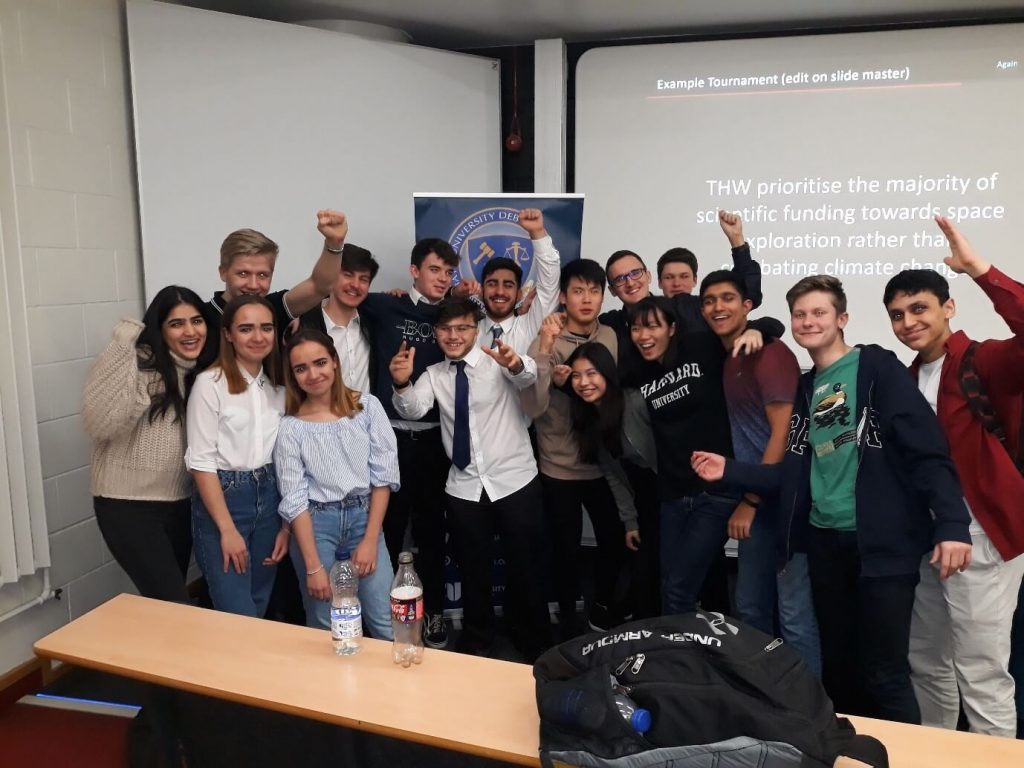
x: 334, y: 460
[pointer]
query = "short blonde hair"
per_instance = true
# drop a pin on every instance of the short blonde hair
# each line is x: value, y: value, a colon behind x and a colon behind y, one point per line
x: 246, y: 242
x: 824, y: 283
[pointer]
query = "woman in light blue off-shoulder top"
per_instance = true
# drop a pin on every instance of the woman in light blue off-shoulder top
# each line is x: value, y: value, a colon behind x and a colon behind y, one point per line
x: 337, y: 465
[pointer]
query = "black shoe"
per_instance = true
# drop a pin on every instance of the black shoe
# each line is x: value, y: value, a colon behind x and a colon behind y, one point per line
x: 603, y: 619
x: 600, y: 619
x: 435, y: 632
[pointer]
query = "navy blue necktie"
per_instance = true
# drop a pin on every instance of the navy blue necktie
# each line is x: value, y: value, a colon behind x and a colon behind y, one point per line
x: 460, y: 439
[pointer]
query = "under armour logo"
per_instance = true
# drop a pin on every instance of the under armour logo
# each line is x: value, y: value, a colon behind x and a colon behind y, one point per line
x: 717, y: 620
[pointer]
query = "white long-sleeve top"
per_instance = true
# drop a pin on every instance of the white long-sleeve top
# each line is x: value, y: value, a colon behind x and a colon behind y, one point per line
x: 228, y: 431
x: 501, y: 459
x: 519, y: 330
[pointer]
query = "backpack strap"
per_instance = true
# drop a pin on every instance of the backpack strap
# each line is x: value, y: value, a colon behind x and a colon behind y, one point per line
x: 981, y: 406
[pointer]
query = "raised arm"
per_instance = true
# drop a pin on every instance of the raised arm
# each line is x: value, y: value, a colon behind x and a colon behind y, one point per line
x: 116, y: 393
x: 535, y: 399
x: 1000, y: 362
x: 410, y: 401
x: 521, y: 370
x: 743, y: 264
x: 306, y: 295
x: 549, y: 269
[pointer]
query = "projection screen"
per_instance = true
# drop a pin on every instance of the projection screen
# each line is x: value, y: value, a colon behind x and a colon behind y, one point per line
x: 838, y: 150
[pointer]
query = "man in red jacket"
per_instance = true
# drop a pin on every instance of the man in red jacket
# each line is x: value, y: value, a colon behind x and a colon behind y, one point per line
x: 960, y: 634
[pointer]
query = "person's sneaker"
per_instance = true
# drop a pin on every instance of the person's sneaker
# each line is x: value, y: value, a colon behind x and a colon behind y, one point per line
x: 435, y: 633
x: 600, y: 620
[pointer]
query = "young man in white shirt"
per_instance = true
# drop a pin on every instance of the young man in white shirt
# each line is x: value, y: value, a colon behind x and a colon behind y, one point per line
x: 338, y: 316
x: 501, y: 289
x: 492, y: 484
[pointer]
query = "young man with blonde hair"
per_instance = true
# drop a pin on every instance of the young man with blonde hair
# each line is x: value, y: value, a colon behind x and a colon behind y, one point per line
x: 247, y: 261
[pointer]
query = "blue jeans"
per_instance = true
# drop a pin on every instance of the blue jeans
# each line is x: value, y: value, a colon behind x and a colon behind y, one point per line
x: 761, y: 592
x: 344, y: 522
x: 252, y: 499
x: 797, y: 621
x: 693, y: 532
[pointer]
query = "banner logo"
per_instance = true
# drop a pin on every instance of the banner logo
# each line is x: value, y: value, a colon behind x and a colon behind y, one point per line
x: 490, y: 233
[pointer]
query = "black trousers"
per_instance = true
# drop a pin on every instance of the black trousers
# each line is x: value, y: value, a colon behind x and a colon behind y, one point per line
x: 864, y: 623
x: 151, y: 541
x: 424, y: 466
x: 563, y: 506
x: 645, y: 563
x: 519, y: 520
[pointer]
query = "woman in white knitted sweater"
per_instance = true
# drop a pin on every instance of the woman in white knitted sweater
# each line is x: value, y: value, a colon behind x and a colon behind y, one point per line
x: 134, y: 410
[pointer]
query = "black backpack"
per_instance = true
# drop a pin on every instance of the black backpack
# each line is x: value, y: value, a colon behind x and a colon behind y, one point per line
x: 981, y: 405
x: 719, y: 693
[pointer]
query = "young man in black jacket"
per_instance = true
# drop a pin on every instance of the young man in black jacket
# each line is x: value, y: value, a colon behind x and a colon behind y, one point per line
x: 866, y: 487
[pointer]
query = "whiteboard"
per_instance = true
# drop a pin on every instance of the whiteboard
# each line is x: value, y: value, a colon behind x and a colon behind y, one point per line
x: 242, y: 122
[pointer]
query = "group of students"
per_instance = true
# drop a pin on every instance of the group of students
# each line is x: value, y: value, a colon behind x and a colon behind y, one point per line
x: 327, y: 416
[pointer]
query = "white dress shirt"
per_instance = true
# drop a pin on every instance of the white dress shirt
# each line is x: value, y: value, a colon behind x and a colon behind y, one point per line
x: 353, y: 350
x: 228, y: 431
x: 501, y: 459
x: 518, y: 331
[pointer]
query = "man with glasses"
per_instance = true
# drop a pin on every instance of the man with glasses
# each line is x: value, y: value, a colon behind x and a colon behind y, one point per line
x: 630, y: 282
x: 492, y: 483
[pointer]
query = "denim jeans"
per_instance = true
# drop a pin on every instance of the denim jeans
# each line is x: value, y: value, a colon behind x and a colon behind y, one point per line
x: 693, y: 532
x: 252, y: 498
x: 797, y: 622
x: 344, y: 522
x: 766, y: 599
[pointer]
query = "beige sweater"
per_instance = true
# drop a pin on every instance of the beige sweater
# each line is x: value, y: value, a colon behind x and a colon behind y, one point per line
x: 131, y: 458
x: 549, y: 407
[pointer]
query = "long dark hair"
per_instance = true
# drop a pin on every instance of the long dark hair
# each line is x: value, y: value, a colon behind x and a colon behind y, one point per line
x: 154, y: 355
x: 597, y: 425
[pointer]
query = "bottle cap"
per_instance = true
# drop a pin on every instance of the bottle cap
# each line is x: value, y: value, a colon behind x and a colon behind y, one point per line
x: 404, y: 558
x: 641, y: 720
x: 342, y: 553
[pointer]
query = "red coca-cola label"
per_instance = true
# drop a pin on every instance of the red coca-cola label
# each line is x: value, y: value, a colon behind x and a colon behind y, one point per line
x: 407, y: 611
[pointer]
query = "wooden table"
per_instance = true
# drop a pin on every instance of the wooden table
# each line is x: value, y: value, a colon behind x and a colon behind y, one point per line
x: 457, y: 702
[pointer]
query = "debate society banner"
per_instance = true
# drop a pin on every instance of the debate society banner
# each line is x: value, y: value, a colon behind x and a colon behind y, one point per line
x: 484, y: 227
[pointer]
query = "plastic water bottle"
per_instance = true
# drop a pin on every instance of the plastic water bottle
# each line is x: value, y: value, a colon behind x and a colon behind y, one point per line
x: 346, y: 612
x: 585, y: 709
x: 638, y: 717
x: 407, y: 613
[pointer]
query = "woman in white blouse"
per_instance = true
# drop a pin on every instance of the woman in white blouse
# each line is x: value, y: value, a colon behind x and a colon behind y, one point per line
x: 233, y: 414
x: 337, y: 464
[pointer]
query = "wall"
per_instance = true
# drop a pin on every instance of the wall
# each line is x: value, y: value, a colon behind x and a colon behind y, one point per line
x: 69, y: 117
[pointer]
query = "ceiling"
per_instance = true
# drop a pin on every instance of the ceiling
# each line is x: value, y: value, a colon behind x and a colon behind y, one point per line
x: 484, y: 23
